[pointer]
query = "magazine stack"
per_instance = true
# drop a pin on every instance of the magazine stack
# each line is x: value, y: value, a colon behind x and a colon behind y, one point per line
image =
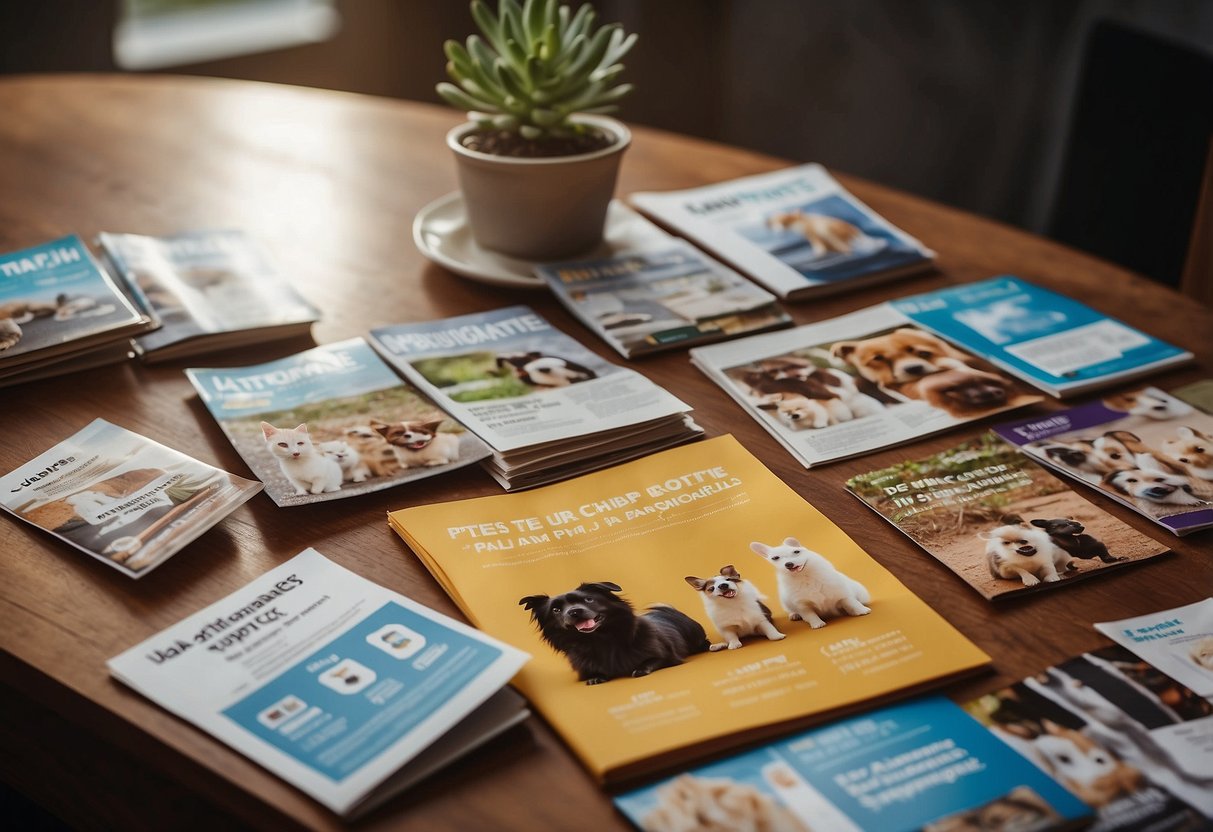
x: 212, y: 290
x: 548, y: 407
x: 61, y: 312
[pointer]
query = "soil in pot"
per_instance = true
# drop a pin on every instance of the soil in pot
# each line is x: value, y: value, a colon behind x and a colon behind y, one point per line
x: 505, y: 143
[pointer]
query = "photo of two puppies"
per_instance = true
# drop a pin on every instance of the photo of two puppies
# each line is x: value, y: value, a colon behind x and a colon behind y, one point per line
x: 604, y: 637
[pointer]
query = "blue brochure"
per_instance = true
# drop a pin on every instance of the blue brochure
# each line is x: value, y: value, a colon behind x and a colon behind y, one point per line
x: 924, y: 765
x: 1051, y: 341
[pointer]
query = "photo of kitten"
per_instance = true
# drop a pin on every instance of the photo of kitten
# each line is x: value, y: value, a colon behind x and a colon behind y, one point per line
x: 307, y: 468
x: 353, y: 469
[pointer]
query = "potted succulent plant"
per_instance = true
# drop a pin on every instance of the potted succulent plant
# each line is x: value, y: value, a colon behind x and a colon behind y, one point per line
x: 537, y: 158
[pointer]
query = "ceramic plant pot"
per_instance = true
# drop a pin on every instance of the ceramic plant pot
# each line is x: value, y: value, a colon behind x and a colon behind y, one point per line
x: 539, y: 209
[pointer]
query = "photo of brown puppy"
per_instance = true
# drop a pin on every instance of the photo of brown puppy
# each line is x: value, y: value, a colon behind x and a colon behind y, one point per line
x: 735, y: 607
x: 1191, y: 449
x: 702, y: 804
x: 1144, y: 403
x: 419, y: 444
x: 912, y: 364
x: 604, y: 638
x: 825, y: 234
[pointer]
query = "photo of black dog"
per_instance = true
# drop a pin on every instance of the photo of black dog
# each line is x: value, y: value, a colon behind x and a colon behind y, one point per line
x: 1069, y: 535
x: 604, y: 638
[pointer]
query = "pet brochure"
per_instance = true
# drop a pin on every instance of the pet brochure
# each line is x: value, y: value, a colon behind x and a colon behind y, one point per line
x: 332, y: 422
x: 1052, y: 342
x: 1143, y: 448
x: 120, y: 497
x: 797, y: 231
x: 662, y: 297
x: 1178, y: 641
x: 348, y: 691
x: 603, y: 580
x: 1130, y: 742
x: 1002, y: 523
x: 548, y: 406
x: 922, y: 765
x: 853, y: 384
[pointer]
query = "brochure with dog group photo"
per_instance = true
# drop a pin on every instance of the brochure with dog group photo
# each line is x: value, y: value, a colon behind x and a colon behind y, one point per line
x: 212, y: 290
x: 796, y: 231
x: 663, y: 297
x: 1131, y: 743
x: 1143, y: 448
x: 332, y: 422
x: 1178, y: 641
x: 922, y: 765
x: 120, y: 497
x: 348, y: 691
x: 1050, y: 341
x: 548, y: 407
x: 682, y: 604
x: 998, y: 520
x: 856, y: 383
x: 58, y: 306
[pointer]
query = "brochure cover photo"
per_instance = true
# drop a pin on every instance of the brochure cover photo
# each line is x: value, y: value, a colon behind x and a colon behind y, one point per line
x: 1057, y: 344
x: 795, y: 230
x: 1144, y: 448
x: 923, y: 765
x: 1178, y: 641
x: 332, y: 422
x: 998, y: 520
x: 120, y: 497
x: 1134, y: 745
x: 856, y: 383
x: 341, y: 687
x: 639, y: 590
x: 55, y: 298
x: 211, y: 290
x: 661, y: 298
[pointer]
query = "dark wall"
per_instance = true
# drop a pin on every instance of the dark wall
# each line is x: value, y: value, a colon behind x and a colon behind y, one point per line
x: 967, y: 103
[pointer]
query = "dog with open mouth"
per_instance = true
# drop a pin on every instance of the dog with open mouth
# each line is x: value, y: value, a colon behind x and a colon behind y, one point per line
x: 419, y: 444
x: 735, y: 607
x: 604, y: 638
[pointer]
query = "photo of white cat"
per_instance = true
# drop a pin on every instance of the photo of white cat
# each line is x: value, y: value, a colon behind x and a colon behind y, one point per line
x: 307, y: 468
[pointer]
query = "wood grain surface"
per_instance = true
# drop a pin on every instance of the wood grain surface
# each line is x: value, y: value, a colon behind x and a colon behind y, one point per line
x: 330, y: 183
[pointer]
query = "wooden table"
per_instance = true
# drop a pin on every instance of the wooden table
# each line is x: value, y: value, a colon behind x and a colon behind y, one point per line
x: 331, y: 182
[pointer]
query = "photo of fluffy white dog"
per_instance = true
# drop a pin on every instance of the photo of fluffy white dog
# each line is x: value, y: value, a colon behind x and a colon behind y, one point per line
x: 1018, y: 550
x: 811, y: 589
x: 735, y: 607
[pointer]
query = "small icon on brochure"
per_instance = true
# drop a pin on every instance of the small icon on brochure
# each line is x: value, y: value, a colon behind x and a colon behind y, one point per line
x: 347, y: 676
x: 397, y: 640
x: 281, y: 711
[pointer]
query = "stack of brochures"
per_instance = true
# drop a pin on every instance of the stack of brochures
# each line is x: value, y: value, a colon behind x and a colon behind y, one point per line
x: 211, y: 290
x: 639, y: 589
x: 548, y: 407
x: 796, y: 231
x: 1050, y: 341
x: 341, y: 687
x: 333, y: 422
x: 852, y: 384
x: 664, y: 296
x: 61, y: 312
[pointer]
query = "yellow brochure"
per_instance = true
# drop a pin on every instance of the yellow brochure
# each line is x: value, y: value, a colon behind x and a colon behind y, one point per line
x: 642, y: 593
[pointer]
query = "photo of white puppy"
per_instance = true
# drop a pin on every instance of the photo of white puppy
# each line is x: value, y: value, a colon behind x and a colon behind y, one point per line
x: 1018, y: 550
x: 810, y: 587
x: 1145, y: 487
x: 735, y: 607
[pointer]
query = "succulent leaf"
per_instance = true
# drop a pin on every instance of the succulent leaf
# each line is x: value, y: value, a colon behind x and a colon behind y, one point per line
x: 533, y: 65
